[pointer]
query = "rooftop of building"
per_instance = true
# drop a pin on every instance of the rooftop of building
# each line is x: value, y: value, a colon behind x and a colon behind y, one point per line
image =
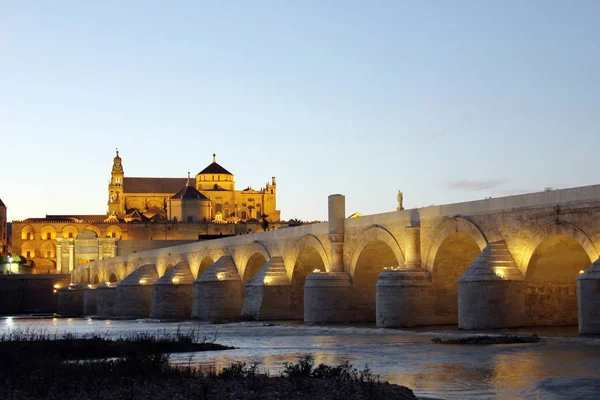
x: 214, y: 168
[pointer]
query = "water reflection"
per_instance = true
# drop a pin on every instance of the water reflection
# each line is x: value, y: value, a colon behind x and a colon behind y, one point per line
x: 561, y: 367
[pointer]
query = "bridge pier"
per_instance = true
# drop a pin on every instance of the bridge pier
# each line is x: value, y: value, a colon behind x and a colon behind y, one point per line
x: 70, y: 300
x: 491, y: 292
x: 105, y: 300
x: 173, y: 293
x: 588, y: 300
x: 134, y: 293
x: 89, y: 300
x: 218, y: 292
x: 403, y: 298
x: 268, y: 293
x: 328, y: 298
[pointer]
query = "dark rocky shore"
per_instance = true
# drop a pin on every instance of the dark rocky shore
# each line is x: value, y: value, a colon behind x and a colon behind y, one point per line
x: 489, y: 339
x: 40, y: 366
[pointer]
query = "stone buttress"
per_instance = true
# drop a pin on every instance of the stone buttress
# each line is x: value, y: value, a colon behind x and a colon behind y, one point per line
x: 588, y: 300
x: 268, y: 293
x: 70, y: 300
x: 90, y: 300
x: 218, y: 292
x: 134, y: 293
x: 105, y: 299
x: 491, y: 292
x: 173, y: 293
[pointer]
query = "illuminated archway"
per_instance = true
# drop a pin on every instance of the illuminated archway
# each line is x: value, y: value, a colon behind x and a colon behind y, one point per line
x: 114, y: 231
x: 48, y: 250
x: 372, y: 234
x: 448, y: 228
x: 310, y: 257
x: 70, y: 232
x: 254, y: 264
x: 113, y: 278
x: 371, y: 261
x: 551, y: 294
x: 28, y: 250
x: 27, y: 233
x: 204, y: 264
x: 48, y: 232
x: 94, y: 228
x: 454, y: 255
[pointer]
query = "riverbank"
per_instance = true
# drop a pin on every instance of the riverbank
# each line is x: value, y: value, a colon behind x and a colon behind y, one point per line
x: 562, y: 366
x: 40, y: 365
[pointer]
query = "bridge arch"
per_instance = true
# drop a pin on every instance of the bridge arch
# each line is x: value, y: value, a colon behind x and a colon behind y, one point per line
x: 375, y: 250
x: 553, y: 259
x: 560, y: 228
x: 455, y: 245
x: 257, y: 255
x: 449, y: 227
x: 309, y: 254
x: 370, y: 236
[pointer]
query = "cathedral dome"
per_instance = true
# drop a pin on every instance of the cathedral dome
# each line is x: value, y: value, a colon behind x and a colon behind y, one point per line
x: 214, y: 168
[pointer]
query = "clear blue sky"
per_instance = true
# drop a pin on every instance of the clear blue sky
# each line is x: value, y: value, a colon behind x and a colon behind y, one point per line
x: 447, y: 101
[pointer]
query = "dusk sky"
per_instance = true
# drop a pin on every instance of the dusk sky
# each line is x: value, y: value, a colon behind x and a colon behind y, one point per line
x: 447, y: 101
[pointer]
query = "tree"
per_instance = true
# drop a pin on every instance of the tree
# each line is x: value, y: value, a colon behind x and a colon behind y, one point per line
x: 265, y: 223
x: 295, y: 222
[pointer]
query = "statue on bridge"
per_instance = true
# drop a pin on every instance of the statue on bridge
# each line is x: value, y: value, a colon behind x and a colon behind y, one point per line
x: 400, y: 198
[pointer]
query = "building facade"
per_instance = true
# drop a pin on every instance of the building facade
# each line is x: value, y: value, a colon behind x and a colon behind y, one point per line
x: 145, y: 213
x: 155, y: 197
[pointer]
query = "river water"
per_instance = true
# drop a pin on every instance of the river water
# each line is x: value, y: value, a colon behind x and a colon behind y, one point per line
x: 564, y: 366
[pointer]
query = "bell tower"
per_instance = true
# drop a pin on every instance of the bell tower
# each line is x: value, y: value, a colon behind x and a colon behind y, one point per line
x: 115, y: 187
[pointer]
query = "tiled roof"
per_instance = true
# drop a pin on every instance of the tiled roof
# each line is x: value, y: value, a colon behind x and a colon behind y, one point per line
x: 2, y: 204
x: 214, y: 168
x: 152, y: 185
x: 189, y: 192
x: 84, y: 218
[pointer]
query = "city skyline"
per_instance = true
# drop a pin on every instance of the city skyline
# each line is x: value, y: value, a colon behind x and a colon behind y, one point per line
x: 446, y: 103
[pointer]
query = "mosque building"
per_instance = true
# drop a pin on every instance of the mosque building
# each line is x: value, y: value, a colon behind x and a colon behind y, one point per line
x: 146, y: 213
x: 210, y: 197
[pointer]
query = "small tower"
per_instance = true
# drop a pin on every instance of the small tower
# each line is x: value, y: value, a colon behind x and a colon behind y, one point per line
x: 115, y: 187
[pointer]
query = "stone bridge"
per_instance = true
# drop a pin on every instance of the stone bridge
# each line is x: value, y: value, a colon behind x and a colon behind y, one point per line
x: 504, y: 262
